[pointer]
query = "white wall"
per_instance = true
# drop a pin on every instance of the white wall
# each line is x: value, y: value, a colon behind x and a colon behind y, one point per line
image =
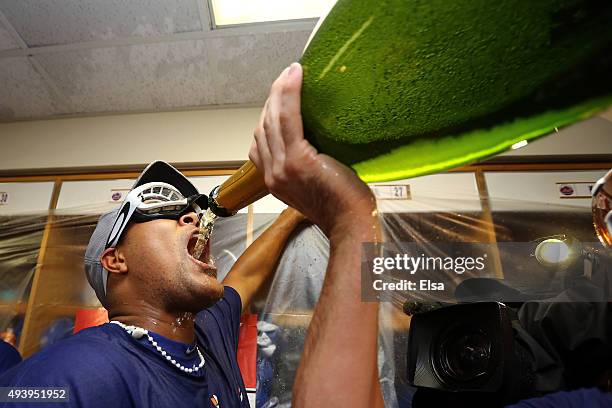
x: 436, y: 192
x: 592, y: 136
x: 539, y: 191
x: 210, y: 135
x: 25, y: 198
x: 183, y: 137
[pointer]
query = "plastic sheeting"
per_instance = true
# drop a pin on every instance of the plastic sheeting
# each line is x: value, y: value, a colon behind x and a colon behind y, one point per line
x: 20, y: 238
x: 285, y: 308
x: 519, y: 228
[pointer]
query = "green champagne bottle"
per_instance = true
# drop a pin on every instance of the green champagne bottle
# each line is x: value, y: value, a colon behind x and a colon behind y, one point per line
x: 402, y: 88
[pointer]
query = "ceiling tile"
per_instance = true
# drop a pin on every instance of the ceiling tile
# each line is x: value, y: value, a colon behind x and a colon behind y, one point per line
x: 24, y: 94
x: 67, y: 21
x: 6, y: 39
x: 244, y: 67
x: 140, y: 77
x: 216, y: 71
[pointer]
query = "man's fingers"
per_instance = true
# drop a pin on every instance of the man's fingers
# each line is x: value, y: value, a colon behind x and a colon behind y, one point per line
x: 262, y: 115
x: 263, y: 150
x: 271, y: 124
x: 260, y: 152
x: 254, y: 155
x: 279, y: 123
x: 290, y: 117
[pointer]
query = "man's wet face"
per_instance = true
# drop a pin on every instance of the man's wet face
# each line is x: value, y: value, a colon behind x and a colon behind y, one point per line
x: 161, y: 267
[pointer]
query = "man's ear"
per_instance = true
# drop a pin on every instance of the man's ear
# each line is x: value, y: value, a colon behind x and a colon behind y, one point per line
x: 114, y: 261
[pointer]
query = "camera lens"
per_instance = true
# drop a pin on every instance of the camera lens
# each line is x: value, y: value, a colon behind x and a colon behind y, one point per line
x: 464, y: 354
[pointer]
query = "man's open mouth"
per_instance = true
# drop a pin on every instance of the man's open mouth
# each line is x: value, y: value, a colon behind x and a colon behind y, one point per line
x: 204, y: 258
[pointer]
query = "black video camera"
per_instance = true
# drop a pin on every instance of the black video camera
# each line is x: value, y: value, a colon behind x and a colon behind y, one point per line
x: 469, y: 355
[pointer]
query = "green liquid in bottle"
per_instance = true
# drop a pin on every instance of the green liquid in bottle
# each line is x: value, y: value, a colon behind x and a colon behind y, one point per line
x: 402, y: 88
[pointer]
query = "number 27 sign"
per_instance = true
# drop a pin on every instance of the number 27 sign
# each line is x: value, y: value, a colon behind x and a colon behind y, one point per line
x: 391, y: 191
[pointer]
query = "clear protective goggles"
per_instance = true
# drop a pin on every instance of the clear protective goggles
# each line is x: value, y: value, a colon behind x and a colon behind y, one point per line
x: 153, y: 201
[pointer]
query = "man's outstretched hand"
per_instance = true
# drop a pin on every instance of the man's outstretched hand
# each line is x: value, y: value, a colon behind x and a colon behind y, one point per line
x: 324, y: 190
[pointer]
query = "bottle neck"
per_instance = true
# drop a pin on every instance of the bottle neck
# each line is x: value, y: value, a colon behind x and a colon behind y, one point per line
x: 244, y: 187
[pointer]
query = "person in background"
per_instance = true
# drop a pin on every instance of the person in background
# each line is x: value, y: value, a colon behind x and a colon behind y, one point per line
x: 173, y: 335
x: 9, y: 356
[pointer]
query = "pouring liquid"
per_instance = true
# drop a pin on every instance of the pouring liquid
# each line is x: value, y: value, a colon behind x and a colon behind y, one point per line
x: 206, y: 226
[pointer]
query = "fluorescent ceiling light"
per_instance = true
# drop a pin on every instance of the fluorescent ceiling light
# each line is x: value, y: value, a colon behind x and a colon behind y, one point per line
x: 232, y: 12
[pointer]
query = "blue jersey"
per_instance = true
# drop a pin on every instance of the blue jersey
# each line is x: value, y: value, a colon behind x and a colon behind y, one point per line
x: 583, y: 398
x: 105, y: 367
x: 9, y: 357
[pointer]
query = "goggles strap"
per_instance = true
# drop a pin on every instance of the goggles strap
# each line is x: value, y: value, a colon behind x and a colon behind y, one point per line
x: 123, y: 217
